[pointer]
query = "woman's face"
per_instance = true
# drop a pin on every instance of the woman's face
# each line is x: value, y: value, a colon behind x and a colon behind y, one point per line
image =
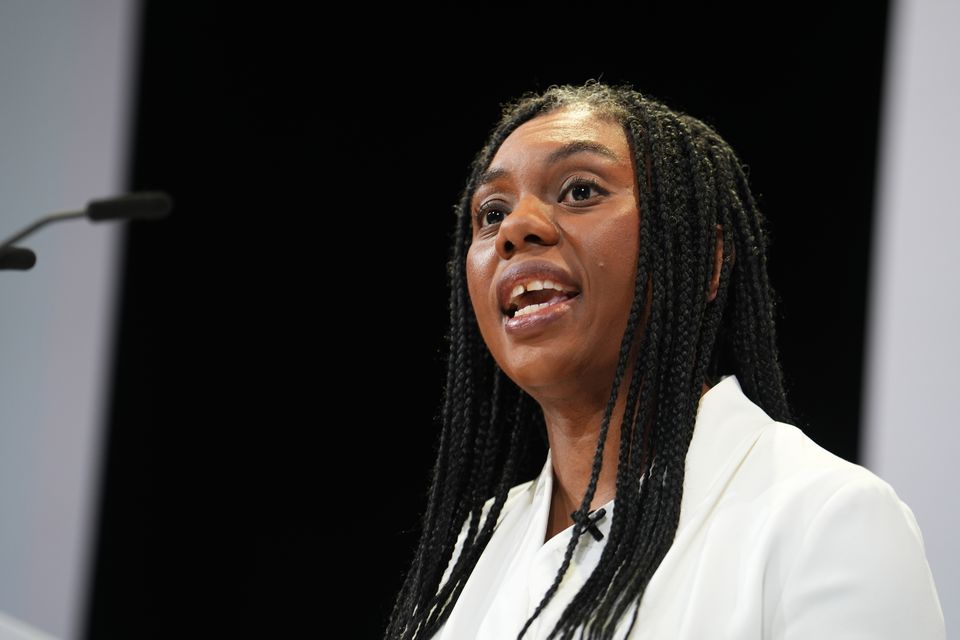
x: 551, y: 267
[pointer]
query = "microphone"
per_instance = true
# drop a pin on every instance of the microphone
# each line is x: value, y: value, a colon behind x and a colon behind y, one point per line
x: 144, y: 205
x: 17, y: 258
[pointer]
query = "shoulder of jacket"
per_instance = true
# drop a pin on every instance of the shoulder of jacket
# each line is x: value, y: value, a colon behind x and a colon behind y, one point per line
x: 796, y: 458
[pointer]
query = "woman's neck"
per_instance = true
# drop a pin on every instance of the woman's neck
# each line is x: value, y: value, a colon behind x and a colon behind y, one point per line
x: 572, y: 432
x: 573, y: 444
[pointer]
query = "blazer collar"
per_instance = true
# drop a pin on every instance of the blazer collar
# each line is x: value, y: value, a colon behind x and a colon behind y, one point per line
x: 727, y: 425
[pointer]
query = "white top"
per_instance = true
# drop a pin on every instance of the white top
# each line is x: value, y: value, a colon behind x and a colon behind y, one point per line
x: 778, y: 539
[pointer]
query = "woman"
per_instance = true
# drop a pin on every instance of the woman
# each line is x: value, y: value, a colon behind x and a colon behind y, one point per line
x: 609, y: 288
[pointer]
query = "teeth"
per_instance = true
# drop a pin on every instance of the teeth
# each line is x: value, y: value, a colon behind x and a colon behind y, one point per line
x: 530, y: 309
x: 534, y: 285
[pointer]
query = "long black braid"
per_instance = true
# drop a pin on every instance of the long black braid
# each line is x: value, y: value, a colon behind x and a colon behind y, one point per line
x: 690, y: 184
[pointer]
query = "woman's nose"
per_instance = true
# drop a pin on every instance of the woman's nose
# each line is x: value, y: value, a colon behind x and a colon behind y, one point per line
x: 529, y: 225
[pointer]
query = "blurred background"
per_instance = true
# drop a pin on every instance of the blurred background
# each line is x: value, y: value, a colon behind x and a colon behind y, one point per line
x: 210, y: 424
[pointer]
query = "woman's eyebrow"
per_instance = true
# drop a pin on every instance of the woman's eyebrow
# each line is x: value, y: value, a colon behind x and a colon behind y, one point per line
x: 571, y: 148
x: 580, y: 146
x: 489, y: 176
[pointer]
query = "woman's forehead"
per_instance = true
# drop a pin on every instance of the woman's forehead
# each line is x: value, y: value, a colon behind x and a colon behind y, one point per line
x: 558, y: 128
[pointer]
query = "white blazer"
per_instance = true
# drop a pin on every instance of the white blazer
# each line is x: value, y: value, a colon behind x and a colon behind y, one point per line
x: 778, y: 539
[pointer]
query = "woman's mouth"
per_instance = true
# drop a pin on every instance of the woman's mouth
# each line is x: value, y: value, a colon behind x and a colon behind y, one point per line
x: 534, y: 293
x: 536, y: 304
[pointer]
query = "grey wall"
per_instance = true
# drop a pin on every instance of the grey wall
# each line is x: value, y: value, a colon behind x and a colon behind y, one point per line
x: 64, y: 104
x: 911, y: 435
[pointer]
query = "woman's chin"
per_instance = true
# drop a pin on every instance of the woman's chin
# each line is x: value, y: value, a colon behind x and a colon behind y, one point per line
x: 544, y: 375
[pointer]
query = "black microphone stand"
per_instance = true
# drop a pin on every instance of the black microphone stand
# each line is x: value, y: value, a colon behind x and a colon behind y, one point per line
x: 133, y: 206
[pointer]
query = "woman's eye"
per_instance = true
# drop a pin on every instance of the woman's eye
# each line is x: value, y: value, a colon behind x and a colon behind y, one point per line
x: 493, y: 217
x: 583, y: 190
x: 490, y: 215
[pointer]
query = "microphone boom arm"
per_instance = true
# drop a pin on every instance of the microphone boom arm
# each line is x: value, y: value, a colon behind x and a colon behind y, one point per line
x: 42, y: 222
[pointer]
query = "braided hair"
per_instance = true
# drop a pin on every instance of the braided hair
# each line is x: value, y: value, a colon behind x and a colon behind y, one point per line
x: 690, y: 184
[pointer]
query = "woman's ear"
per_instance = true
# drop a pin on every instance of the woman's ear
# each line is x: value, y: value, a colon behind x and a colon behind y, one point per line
x: 717, y: 266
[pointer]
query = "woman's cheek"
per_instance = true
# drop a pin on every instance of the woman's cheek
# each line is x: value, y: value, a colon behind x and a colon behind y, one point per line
x: 480, y: 267
x: 614, y: 244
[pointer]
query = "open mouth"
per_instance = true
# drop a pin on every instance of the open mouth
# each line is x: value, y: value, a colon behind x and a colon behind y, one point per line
x: 535, y: 295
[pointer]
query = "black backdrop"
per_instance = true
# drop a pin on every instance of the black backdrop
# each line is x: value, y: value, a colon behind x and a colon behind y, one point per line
x: 279, y: 359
